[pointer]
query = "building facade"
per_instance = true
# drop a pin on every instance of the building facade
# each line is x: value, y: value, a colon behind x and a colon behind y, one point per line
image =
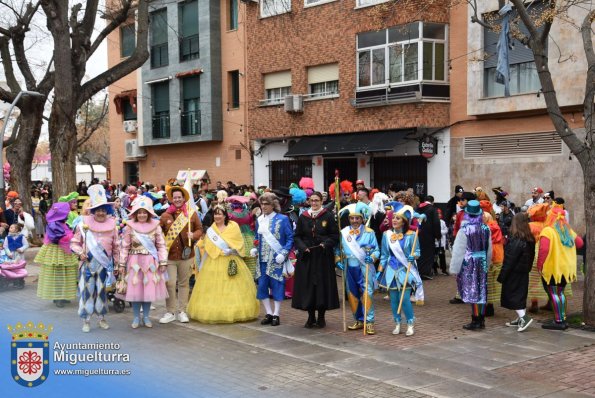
x: 510, y: 142
x: 351, y: 86
x: 185, y: 107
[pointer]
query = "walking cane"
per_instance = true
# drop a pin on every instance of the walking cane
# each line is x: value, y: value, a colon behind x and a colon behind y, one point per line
x: 365, y: 292
x: 408, y: 269
x: 337, y: 208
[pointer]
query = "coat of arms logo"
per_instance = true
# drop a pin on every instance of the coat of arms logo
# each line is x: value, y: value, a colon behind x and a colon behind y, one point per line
x: 30, y: 353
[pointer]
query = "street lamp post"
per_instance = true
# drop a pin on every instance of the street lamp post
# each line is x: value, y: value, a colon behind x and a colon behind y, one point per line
x: 12, y: 137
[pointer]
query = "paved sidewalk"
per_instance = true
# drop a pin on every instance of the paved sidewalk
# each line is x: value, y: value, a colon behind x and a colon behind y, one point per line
x: 441, y: 359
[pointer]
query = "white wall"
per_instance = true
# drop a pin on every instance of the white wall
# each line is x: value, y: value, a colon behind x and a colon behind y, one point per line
x: 273, y: 151
x: 41, y: 172
x: 439, y: 170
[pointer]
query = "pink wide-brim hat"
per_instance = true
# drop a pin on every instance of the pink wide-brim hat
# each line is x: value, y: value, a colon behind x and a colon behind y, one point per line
x: 144, y: 203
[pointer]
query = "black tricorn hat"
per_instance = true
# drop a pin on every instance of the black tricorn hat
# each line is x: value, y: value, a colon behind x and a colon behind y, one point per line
x: 282, y: 192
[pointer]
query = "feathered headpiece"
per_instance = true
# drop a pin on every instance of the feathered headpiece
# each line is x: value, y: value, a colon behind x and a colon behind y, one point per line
x: 346, y: 187
x: 556, y: 219
x: 306, y: 182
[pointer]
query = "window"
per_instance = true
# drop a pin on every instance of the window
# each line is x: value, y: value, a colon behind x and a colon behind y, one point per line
x: 277, y: 86
x: 128, y: 112
x: 160, y: 105
x: 268, y: 8
x: 234, y: 89
x: 523, y: 73
x: 365, y: 3
x: 159, y: 55
x: 393, y: 56
x: 127, y: 40
x: 323, y: 80
x: 188, y: 20
x: 308, y: 3
x: 191, y: 106
x: 233, y: 14
x: 238, y: 154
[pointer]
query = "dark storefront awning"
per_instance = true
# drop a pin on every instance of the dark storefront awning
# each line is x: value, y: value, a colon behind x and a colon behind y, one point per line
x: 345, y: 144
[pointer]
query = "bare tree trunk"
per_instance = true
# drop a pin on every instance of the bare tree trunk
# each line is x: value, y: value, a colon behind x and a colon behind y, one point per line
x: 589, y: 293
x: 63, y: 150
x: 20, y: 153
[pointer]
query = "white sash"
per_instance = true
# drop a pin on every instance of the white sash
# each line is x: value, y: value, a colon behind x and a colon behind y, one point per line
x: 396, y: 248
x: 264, y: 230
x: 353, y: 245
x: 147, y: 243
x: 217, y: 239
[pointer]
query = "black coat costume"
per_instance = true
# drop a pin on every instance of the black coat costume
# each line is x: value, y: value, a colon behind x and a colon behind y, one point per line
x: 514, y: 276
x: 429, y: 231
x: 315, y: 286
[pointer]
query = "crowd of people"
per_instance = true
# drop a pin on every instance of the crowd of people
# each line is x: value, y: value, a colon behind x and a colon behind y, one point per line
x: 247, y: 247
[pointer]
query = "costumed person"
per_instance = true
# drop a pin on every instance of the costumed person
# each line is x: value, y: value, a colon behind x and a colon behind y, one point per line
x: 240, y: 213
x: 143, y: 260
x: 59, y: 267
x: 396, y: 256
x: 224, y: 291
x: 307, y: 184
x: 95, y: 242
x: 429, y: 231
x: 556, y: 262
x: 72, y: 200
x: 298, y: 199
x: 360, y: 250
x: 494, y: 288
x: 346, y: 188
x: 514, y: 276
x: 315, y: 286
x: 16, y: 243
x: 182, y: 228
x: 273, y: 241
x: 471, y: 258
x: 537, y: 216
x: 378, y: 214
x: 119, y: 212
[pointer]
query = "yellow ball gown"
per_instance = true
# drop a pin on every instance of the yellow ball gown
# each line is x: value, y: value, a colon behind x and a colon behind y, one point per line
x: 218, y: 297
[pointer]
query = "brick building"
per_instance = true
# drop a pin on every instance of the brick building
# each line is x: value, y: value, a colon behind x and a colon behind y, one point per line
x: 510, y: 141
x: 185, y: 107
x: 365, y: 85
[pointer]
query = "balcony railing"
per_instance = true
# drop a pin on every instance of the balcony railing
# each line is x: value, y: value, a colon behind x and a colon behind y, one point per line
x: 408, y: 93
x: 159, y: 55
x: 161, y: 125
x: 190, y: 123
x: 189, y: 48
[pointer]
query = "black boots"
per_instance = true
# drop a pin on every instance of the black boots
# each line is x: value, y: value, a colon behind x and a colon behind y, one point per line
x: 490, y: 310
x: 311, y: 322
x: 276, y: 321
x: 477, y: 323
x: 321, y: 321
x: 268, y: 319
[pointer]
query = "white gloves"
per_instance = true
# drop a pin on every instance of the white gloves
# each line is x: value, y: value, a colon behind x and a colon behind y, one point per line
x: 227, y: 252
x: 280, y: 258
x: 253, y: 252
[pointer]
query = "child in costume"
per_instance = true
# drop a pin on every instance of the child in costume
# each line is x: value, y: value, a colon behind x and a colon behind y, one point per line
x: 16, y: 243
x: 143, y: 258
x: 397, y: 253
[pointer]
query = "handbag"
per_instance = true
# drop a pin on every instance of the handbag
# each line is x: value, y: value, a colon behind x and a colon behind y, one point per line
x: 232, y: 268
x: 121, y: 284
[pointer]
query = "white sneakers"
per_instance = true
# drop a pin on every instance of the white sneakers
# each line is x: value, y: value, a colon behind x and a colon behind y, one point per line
x: 182, y: 317
x: 170, y: 317
x: 103, y: 324
x: 409, y: 331
x: 167, y: 318
x: 86, y: 327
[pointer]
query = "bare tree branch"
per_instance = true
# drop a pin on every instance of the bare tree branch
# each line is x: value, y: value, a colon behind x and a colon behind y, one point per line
x: 11, y: 79
x: 117, y: 19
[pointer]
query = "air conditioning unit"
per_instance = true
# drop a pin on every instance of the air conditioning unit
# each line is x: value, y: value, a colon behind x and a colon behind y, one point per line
x: 294, y: 103
x: 130, y: 126
x: 133, y: 150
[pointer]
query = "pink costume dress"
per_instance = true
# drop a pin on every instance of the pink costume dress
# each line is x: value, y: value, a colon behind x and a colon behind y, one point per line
x: 94, y: 275
x: 145, y: 282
